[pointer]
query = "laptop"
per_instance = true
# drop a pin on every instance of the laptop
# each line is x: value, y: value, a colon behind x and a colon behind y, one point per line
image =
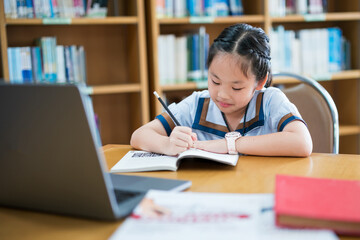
x: 51, y: 158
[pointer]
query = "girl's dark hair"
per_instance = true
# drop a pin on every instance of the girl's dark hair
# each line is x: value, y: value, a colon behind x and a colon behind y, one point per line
x: 249, y: 42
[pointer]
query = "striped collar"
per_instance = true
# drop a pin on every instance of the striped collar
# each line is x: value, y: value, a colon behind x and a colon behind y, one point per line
x: 202, y: 124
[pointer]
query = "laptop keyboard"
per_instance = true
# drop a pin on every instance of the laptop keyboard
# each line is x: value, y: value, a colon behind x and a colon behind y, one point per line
x: 122, y: 195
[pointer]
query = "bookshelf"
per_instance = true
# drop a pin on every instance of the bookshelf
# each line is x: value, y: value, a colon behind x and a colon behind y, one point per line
x: 116, y: 61
x: 343, y: 86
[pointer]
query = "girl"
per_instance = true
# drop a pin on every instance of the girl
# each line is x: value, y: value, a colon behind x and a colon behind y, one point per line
x: 239, y: 113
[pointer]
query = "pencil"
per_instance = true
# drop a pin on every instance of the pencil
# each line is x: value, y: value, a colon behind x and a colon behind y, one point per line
x: 167, y: 109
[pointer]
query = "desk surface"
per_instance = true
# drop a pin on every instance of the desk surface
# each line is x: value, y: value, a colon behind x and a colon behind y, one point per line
x: 251, y: 175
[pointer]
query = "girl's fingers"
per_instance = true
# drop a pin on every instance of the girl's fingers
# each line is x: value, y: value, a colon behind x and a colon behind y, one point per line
x: 193, y: 136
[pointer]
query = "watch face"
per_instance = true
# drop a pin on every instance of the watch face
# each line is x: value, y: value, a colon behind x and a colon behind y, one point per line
x: 232, y: 134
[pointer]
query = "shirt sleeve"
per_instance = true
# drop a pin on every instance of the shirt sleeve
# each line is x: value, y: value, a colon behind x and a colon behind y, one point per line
x: 280, y: 110
x: 184, y: 112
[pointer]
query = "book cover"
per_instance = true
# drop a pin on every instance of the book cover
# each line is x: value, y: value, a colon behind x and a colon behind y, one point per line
x: 304, y: 202
x: 139, y: 161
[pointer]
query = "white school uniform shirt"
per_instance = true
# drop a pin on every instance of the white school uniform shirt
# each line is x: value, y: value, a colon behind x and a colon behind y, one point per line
x: 269, y: 111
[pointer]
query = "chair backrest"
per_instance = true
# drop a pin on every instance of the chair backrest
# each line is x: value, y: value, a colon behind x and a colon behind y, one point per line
x: 318, y: 110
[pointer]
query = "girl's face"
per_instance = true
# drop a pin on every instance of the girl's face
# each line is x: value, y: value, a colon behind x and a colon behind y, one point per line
x: 229, y: 88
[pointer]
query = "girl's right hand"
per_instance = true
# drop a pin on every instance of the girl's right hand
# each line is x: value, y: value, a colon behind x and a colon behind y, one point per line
x: 181, y: 139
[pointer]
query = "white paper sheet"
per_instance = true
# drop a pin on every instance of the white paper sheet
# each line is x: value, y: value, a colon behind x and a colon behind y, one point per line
x: 168, y: 215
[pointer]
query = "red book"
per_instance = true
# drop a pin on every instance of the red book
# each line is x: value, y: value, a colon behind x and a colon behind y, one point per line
x: 304, y: 202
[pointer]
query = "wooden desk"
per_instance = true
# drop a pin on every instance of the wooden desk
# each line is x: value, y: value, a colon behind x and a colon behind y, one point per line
x: 251, y: 175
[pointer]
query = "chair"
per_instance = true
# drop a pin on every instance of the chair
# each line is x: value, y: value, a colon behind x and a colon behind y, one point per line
x: 318, y: 110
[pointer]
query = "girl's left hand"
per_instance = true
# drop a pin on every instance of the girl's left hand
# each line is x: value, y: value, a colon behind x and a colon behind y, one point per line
x: 215, y: 146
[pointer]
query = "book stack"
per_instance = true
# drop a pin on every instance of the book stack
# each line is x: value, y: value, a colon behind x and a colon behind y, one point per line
x: 314, y: 52
x: 280, y: 8
x: 47, y: 62
x: 198, y: 8
x: 183, y: 58
x: 304, y: 202
x: 55, y: 8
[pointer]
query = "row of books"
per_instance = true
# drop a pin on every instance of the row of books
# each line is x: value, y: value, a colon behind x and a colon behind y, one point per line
x: 55, y: 8
x: 47, y: 63
x: 316, y: 52
x: 280, y: 8
x: 183, y: 58
x: 197, y: 8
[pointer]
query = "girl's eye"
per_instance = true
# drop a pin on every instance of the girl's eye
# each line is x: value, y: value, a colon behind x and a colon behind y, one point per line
x: 216, y: 83
x: 236, y: 89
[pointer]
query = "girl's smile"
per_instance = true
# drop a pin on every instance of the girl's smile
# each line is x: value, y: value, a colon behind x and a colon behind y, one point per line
x: 224, y: 104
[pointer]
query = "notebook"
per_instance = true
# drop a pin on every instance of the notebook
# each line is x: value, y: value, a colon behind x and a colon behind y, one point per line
x: 51, y: 158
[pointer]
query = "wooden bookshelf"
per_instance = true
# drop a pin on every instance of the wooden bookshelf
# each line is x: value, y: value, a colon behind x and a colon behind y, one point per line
x: 73, y: 21
x: 115, y: 48
x: 348, y: 16
x: 343, y: 86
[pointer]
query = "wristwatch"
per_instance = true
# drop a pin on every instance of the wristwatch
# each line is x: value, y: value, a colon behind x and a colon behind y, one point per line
x: 231, y: 137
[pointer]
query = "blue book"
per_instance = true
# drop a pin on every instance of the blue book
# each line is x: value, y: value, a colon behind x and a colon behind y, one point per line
x: 36, y: 64
x: 334, y: 49
x: 191, y: 6
x: 69, y: 73
x: 222, y: 8
x: 26, y: 69
x: 236, y: 7
x: 287, y: 61
x: 51, y: 9
x: 48, y: 48
x: 209, y: 6
x: 195, y: 72
x: 206, y: 52
x: 203, y: 50
x: 346, y: 54
x: 29, y: 9
x: 21, y: 8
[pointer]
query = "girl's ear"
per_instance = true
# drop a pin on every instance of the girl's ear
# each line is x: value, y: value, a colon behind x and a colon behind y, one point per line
x: 261, y: 83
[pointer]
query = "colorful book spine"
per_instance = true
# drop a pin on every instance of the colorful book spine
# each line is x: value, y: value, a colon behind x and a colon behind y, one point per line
x: 69, y: 65
x: 25, y: 63
x: 11, y: 63
x: 82, y: 64
x: 194, y: 73
x: 60, y: 64
x: 36, y: 64
x: 236, y: 8
x: 18, y: 73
